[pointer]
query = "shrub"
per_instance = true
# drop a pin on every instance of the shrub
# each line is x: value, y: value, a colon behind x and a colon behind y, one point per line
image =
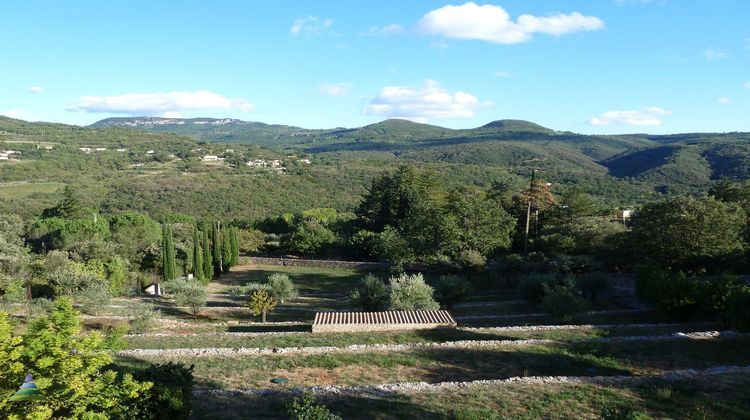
x: 592, y: 285
x: 573, y: 264
x: 281, y: 287
x: 142, y: 317
x: 261, y: 302
x: 450, y: 290
x: 171, y: 395
x: 508, y: 267
x: 94, y: 297
x: 371, y: 294
x: 714, y: 295
x: 410, y: 293
x: 562, y: 300
x: 190, y: 294
x: 738, y: 312
x: 471, y: 260
x: 531, y: 288
x: 306, y: 408
x: 247, y: 289
x: 671, y: 293
x: 12, y: 290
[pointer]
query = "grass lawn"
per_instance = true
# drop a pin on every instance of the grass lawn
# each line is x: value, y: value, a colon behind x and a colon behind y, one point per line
x: 716, y: 397
x: 465, y: 364
x: 9, y: 190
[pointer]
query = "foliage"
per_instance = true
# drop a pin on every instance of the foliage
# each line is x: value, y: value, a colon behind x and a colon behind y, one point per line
x: 306, y: 408
x: 198, y: 271
x: 171, y: 395
x: 562, y: 300
x: 688, y: 233
x: 169, y: 269
x: 187, y: 293
x: 371, y: 294
x: 508, y: 267
x: 672, y: 293
x: 208, y: 262
x: 531, y: 287
x: 69, y: 368
x: 409, y: 292
x: 142, y: 317
x: 737, y: 309
x: 576, y: 265
x: 450, y: 290
x: 281, y: 287
x: 247, y: 289
x: 261, y: 302
x: 94, y: 297
x: 310, y: 238
x: 594, y: 284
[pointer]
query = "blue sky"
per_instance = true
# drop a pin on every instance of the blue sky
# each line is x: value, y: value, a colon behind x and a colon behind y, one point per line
x: 598, y: 66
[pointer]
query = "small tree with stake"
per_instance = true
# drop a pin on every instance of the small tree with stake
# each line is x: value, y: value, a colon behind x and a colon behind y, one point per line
x: 261, y: 302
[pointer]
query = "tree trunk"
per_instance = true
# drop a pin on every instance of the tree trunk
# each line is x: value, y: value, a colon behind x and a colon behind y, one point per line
x: 264, y: 317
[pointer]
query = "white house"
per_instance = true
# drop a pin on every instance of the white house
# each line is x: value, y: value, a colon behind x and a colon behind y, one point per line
x: 100, y: 149
x: 257, y: 163
x: 122, y: 150
x: 85, y: 149
x: 306, y: 161
x: 149, y: 152
x: 275, y: 163
x: 624, y: 214
x: 210, y: 158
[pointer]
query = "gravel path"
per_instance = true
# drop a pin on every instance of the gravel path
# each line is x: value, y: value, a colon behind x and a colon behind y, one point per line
x: 360, y: 348
x: 539, y: 315
x: 385, y: 390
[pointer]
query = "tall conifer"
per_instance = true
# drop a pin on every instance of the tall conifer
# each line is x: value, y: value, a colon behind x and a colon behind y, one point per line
x: 198, y: 271
x: 216, y: 247
x: 208, y: 262
x: 169, y: 268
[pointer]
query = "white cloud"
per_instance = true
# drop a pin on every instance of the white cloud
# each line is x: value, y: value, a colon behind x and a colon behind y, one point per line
x: 35, y: 89
x: 501, y: 73
x: 387, y: 30
x: 422, y: 104
x: 712, y: 54
x: 493, y: 24
x: 650, y: 116
x: 334, y: 89
x: 310, y: 25
x: 724, y: 100
x: 159, y: 103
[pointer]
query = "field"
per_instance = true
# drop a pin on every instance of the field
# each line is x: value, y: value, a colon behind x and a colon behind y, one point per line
x: 623, y: 362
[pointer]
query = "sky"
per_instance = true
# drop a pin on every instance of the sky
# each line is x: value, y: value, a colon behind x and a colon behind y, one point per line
x: 594, y: 66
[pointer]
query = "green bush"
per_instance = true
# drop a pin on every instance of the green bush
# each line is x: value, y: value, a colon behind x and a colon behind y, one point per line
x: 562, y: 300
x: 531, y: 287
x: 674, y: 294
x: 306, y: 408
x: 188, y: 293
x: 450, y: 290
x: 715, y: 293
x: 411, y: 293
x: 142, y: 317
x: 94, y: 297
x: 281, y: 287
x: 247, y: 289
x: 592, y: 285
x: 738, y: 309
x: 371, y: 294
x: 576, y: 265
x: 171, y: 395
x: 508, y: 267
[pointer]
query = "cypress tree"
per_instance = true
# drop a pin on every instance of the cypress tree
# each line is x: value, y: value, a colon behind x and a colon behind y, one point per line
x: 169, y: 268
x: 197, y: 256
x: 216, y: 247
x: 226, y: 250
x: 208, y: 262
x: 235, y: 247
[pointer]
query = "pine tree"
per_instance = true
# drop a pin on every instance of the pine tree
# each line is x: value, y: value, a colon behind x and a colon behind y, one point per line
x: 168, y: 253
x: 216, y: 247
x: 208, y: 262
x: 197, y: 257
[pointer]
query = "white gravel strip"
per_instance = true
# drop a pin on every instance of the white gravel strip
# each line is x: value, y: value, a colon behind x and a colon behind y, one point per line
x: 538, y: 315
x: 414, y: 387
x: 360, y: 348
